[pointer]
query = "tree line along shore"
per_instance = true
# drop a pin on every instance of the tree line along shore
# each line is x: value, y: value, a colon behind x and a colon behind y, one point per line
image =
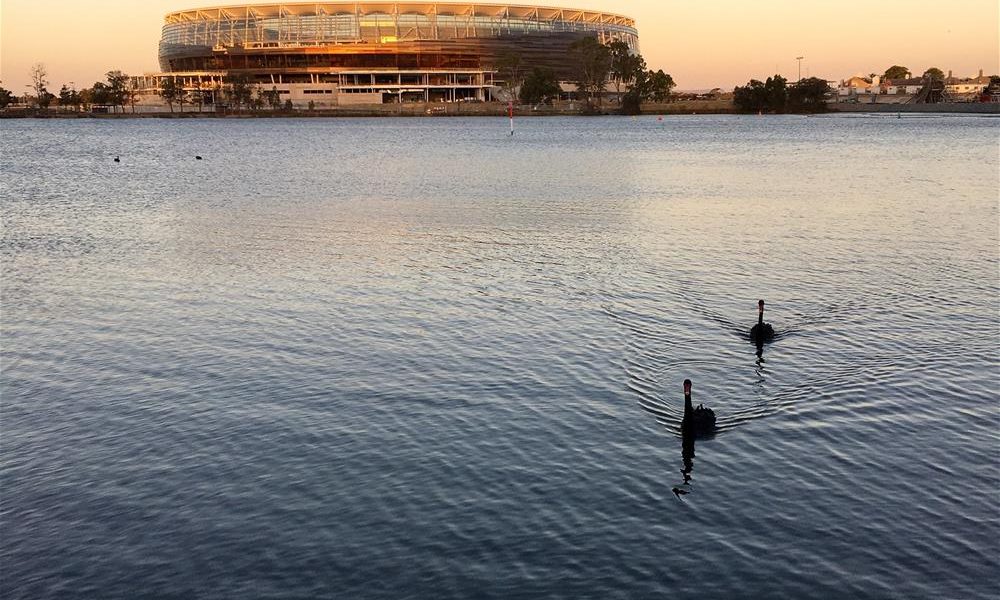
x: 609, y: 80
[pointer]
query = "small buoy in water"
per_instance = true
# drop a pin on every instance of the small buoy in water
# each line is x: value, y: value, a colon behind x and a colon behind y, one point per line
x: 659, y: 118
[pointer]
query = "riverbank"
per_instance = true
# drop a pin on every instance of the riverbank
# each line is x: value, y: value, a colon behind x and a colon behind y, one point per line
x: 386, y: 110
x: 978, y: 108
x: 694, y: 107
x: 969, y: 108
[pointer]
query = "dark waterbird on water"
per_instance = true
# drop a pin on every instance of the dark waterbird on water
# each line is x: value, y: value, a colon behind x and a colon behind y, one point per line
x: 761, y: 332
x: 197, y: 158
x: 697, y: 421
x: 118, y: 159
x: 680, y: 492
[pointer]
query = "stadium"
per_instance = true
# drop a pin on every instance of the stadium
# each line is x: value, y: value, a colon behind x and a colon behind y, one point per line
x: 336, y: 54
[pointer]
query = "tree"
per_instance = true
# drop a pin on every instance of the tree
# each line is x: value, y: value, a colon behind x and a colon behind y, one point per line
x: 992, y: 89
x: 118, y: 93
x: 39, y: 80
x: 591, y: 61
x: 759, y: 97
x: 257, y: 98
x: 634, y: 97
x: 6, y: 98
x: 510, y: 68
x: 132, y: 91
x: 240, y: 91
x: 45, y: 98
x: 65, y: 97
x: 626, y: 66
x: 934, y: 74
x: 170, y: 90
x: 182, y: 96
x: 648, y: 86
x: 896, y: 72
x: 751, y: 98
x: 273, y: 98
x: 100, y: 94
x: 777, y: 93
x: 198, y: 97
x: 808, y: 95
x: 541, y: 85
x: 69, y: 98
x: 659, y: 86
x: 86, y: 98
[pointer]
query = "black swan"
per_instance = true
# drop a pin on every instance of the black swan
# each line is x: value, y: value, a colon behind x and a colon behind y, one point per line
x: 197, y: 158
x: 697, y: 421
x: 762, y: 332
x: 118, y: 159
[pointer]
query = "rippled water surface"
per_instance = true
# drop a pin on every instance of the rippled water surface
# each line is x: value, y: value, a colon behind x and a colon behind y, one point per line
x: 421, y: 359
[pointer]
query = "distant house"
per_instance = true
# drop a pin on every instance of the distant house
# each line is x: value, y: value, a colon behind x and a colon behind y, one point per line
x: 894, y: 91
x: 968, y: 89
x: 902, y: 86
x: 855, y: 86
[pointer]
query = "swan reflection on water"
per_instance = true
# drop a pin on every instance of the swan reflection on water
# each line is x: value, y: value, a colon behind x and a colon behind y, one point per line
x: 761, y: 362
x: 687, y: 454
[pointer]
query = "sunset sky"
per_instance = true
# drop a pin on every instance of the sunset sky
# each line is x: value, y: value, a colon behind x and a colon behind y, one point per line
x: 702, y: 44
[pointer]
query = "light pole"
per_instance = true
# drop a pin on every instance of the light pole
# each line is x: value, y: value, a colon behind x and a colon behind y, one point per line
x: 799, y: 58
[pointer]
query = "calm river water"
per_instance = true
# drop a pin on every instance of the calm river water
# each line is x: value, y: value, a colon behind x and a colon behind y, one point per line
x: 421, y: 359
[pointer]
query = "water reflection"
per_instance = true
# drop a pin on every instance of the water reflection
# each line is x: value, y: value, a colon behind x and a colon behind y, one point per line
x: 330, y: 347
x: 760, y: 362
x: 687, y: 454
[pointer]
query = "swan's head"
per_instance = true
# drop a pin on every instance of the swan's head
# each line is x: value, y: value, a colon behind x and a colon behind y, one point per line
x: 687, y: 387
x: 760, y: 304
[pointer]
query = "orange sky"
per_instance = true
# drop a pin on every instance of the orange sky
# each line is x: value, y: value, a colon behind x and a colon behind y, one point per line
x: 702, y: 44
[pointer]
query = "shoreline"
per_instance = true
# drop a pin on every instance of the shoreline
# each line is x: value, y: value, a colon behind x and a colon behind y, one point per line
x: 683, y: 108
x: 386, y: 110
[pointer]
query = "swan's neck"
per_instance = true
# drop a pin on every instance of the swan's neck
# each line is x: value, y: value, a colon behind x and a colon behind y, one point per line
x: 688, y: 407
x: 760, y: 319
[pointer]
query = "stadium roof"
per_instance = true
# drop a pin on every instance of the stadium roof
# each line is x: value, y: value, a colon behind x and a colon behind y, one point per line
x: 307, y: 9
